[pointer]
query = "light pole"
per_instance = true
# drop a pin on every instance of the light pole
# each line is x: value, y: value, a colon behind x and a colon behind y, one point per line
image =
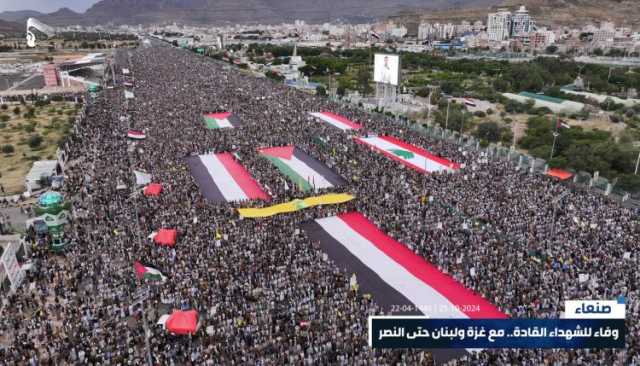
x: 553, y: 147
x: 429, y: 108
x: 462, y: 121
x: 555, y: 137
x: 637, y: 164
x: 446, y: 121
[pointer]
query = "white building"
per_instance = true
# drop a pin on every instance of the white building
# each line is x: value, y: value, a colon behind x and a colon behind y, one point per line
x: 398, y: 32
x: 521, y: 23
x: 40, y: 169
x: 437, y: 31
x: 478, y: 26
x: 13, y: 254
x: 499, y: 25
x: 605, y: 34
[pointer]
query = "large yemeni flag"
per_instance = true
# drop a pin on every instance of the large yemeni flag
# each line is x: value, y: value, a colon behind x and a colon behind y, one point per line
x: 148, y: 273
x: 394, y: 274
x: 337, y: 120
x: 303, y: 170
x: 409, y: 155
x: 222, y: 179
x: 221, y: 120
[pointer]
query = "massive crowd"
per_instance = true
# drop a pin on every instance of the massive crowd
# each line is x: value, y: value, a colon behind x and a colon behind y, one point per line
x: 265, y: 293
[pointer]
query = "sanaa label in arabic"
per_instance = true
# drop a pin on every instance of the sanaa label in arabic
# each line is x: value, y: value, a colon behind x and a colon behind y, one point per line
x: 594, y: 309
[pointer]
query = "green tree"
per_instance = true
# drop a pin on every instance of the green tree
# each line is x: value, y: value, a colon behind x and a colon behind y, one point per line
x: 489, y: 131
x: 629, y: 182
x: 364, y: 81
x: 8, y: 149
x: 35, y: 141
x: 321, y: 91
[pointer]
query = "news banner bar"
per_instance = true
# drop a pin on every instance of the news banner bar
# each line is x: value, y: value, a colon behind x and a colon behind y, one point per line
x: 422, y: 332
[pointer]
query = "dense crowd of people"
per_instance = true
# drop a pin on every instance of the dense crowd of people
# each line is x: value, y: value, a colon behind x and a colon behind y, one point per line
x: 264, y: 292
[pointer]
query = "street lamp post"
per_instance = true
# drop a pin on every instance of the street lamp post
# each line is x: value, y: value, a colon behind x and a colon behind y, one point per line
x: 446, y: 121
x: 637, y: 164
x: 553, y: 147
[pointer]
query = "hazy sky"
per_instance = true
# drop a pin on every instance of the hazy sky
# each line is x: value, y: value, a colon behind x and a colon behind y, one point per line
x: 46, y: 6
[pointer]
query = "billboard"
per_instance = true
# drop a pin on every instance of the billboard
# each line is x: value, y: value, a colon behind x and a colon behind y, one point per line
x: 386, y: 68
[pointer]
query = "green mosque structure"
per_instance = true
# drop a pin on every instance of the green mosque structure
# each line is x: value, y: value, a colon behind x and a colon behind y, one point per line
x: 54, y: 211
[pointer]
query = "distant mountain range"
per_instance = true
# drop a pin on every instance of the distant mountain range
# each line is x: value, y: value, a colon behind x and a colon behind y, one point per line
x: 18, y: 16
x: 234, y: 11
x: 11, y: 28
x: 319, y: 11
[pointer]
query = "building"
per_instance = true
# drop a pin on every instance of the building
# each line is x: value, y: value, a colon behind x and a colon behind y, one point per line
x: 290, y: 71
x: 13, y: 256
x: 499, y: 25
x: 605, y: 34
x: 437, y: 31
x: 542, y: 38
x: 42, y: 169
x: 398, y: 32
x: 521, y: 23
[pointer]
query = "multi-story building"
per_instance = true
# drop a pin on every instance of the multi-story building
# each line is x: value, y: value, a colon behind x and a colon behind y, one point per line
x: 499, y: 25
x: 478, y: 26
x: 521, y: 23
x: 605, y: 34
x: 437, y: 31
x: 398, y: 32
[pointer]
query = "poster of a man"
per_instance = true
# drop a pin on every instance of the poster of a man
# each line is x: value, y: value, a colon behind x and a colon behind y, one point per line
x: 386, y: 69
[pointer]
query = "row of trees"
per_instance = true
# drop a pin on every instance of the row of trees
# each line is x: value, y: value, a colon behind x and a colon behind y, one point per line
x: 582, y: 150
x: 536, y: 75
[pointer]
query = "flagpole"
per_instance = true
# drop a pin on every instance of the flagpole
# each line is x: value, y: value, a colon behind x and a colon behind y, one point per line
x: 555, y: 136
x: 446, y: 121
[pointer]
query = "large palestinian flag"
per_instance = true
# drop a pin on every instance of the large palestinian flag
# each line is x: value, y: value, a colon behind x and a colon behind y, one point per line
x: 304, y: 171
x: 409, y: 155
x: 394, y: 274
x: 222, y: 179
x: 221, y: 120
x: 148, y: 273
x: 337, y: 120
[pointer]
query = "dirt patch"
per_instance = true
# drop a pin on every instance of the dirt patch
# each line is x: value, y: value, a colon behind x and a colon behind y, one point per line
x: 51, y: 123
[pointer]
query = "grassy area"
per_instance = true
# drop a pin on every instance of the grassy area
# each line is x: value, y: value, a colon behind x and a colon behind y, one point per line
x: 29, y: 133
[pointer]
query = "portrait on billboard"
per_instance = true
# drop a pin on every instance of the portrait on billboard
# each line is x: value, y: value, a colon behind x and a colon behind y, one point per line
x: 386, y: 68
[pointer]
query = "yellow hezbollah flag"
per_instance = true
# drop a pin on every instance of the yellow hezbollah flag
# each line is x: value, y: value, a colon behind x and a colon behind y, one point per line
x: 295, y: 205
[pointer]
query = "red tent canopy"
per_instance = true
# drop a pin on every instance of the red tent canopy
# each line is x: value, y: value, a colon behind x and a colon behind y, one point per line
x: 166, y: 237
x: 183, y: 322
x: 153, y: 189
x: 559, y: 173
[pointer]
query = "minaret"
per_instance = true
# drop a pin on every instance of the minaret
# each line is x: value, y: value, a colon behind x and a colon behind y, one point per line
x: 55, y: 213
